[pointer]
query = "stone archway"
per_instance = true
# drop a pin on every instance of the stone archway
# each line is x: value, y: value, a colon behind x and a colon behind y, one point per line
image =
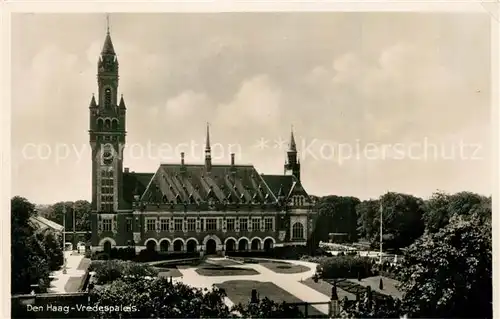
x: 164, y: 245
x: 191, y: 246
x: 230, y: 244
x: 206, y: 244
x: 211, y: 247
x: 255, y: 244
x: 268, y: 244
x: 243, y: 244
x: 107, y: 246
x: 178, y: 245
x: 151, y: 245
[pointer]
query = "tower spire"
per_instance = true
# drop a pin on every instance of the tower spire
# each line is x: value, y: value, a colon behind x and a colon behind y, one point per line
x: 292, y: 164
x: 208, y: 155
x: 293, y: 146
x: 107, y: 48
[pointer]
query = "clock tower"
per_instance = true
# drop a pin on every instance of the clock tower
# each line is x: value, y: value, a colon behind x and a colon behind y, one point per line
x: 107, y: 134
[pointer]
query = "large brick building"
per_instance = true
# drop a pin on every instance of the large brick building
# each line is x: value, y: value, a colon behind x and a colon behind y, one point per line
x: 186, y: 207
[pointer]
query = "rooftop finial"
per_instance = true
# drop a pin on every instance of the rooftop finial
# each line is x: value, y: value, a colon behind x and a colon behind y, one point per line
x: 107, y: 23
x: 207, y: 146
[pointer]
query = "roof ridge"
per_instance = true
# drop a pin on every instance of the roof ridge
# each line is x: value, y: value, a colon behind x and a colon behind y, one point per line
x: 149, y: 184
x: 268, y: 188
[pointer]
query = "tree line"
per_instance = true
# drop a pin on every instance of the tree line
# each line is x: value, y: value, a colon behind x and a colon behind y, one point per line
x: 405, y: 218
x: 80, y: 209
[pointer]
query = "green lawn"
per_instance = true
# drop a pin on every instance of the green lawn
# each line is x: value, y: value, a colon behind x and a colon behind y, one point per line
x: 169, y: 272
x: 326, y: 289
x: 239, y: 291
x: 225, y: 271
x: 73, y: 284
x: 284, y: 267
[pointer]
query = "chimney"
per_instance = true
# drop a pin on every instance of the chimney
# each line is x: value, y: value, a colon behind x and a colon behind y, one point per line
x: 232, y: 159
x: 126, y: 170
x: 182, y: 158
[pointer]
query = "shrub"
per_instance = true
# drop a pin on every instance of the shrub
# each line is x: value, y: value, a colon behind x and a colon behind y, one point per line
x: 88, y: 254
x: 158, y: 298
x: 111, y: 270
x: 344, y: 267
x: 267, y: 308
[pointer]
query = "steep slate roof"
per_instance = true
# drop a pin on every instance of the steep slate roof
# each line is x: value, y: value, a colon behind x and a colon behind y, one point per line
x: 174, y: 183
x: 288, y: 184
x: 134, y: 183
x: 177, y: 184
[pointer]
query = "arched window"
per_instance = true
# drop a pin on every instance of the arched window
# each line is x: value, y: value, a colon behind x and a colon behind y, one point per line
x: 100, y: 124
x: 107, y: 97
x: 107, y: 124
x: 114, y: 124
x: 298, y: 231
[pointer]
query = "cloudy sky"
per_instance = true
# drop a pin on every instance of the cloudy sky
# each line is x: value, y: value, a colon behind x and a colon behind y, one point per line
x: 378, y: 101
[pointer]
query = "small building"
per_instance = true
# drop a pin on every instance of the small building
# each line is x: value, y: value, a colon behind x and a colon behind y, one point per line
x: 42, y: 223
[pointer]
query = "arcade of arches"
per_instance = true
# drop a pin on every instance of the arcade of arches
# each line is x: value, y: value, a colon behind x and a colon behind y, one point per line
x: 211, y: 246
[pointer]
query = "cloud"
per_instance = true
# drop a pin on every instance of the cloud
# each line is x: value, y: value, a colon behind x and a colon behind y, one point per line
x: 256, y: 104
x: 403, y: 93
x: 250, y: 82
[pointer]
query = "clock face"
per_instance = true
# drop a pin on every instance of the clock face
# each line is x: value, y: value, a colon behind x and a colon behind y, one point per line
x: 107, y: 158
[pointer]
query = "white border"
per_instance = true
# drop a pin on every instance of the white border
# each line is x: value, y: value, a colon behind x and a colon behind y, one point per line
x: 92, y: 6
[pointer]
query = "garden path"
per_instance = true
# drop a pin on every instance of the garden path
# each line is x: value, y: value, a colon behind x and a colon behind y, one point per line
x: 60, y: 280
x: 288, y: 282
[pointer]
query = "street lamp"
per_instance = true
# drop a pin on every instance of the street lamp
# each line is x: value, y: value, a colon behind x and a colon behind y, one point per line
x: 64, y: 239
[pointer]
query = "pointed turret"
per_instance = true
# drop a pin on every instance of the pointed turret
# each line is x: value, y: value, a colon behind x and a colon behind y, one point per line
x: 292, y: 164
x: 208, y: 155
x: 292, y: 147
x: 93, y: 102
x: 122, y: 103
x: 107, y: 48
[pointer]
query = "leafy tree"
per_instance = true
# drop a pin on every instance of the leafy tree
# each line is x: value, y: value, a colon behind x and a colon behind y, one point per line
x: 266, y: 308
x: 336, y: 214
x: 449, y: 273
x: 53, y: 249
x: 402, y: 219
x: 370, y: 307
x: 366, y: 212
x: 29, y: 261
x: 81, y: 208
x: 157, y: 298
x: 441, y: 207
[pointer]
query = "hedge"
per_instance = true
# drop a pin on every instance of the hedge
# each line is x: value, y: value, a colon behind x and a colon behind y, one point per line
x: 111, y: 270
x: 344, y: 267
x: 143, y: 256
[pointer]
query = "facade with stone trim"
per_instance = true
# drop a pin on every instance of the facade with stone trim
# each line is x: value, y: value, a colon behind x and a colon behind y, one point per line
x: 185, y: 207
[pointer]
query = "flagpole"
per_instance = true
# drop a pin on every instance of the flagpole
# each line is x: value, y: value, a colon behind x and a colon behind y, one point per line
x: 64, y: 238
x: 74, y: 228
x: 381, y: 221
